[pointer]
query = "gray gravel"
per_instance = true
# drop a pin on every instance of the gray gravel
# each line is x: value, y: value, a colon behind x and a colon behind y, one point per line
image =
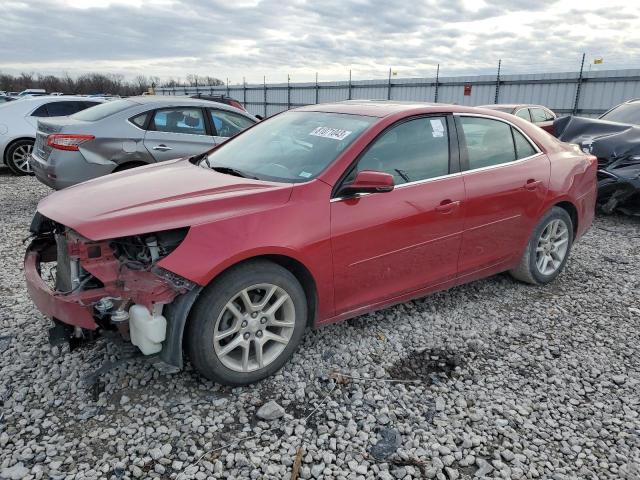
x: 498, y: 379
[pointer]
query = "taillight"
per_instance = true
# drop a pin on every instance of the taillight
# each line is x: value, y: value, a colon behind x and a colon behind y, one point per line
x: 64, y: 141
x: 237, y: 104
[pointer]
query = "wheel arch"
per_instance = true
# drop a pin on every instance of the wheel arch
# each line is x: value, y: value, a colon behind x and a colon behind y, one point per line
x: 572, y: 210
x: 178, y: 311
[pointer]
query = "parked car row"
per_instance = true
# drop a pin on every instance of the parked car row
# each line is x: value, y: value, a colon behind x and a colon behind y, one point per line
x: 129, y: 133
x: 315, y: 215
x: 18, y: 123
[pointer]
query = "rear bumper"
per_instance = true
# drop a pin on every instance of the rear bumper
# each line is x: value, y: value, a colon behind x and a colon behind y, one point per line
x: 67, y: 171
x: 586, y: 211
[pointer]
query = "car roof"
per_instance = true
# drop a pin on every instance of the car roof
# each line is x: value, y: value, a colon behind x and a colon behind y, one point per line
x: 44, y: 98
x: 383, y: 108
x: 168, y: 100
x: 511, y: 105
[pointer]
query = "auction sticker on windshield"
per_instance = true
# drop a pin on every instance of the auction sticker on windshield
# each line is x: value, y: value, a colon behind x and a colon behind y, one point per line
x: 327, y: 132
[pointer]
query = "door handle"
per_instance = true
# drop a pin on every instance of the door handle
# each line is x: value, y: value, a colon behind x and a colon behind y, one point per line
x: 447, y: 206
x: 163, y: 148
x: 532, y: 184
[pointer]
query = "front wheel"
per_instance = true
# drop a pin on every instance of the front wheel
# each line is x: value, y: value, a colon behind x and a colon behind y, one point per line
x: 547, y: 250
x: 247, y: 323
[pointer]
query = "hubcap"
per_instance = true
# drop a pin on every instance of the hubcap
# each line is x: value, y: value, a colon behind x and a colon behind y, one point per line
x: 254, y: 327
x: 21, y: 156
x: 552, y: 247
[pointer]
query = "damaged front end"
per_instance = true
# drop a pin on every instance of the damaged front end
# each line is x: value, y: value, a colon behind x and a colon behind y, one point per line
x: 87, y: 287
x: 617, y: 147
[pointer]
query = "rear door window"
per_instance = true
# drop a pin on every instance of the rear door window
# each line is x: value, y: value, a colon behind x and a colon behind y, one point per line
x: 489, y: 142
x: 228, y: 124
x: 524, y: 148
x: 41, y: 111
x: 179, y: 120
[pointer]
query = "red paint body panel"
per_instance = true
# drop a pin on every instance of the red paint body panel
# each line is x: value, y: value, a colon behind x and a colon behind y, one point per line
x: 390, y: 244
x: 500, y: 211
x: 364, y: 253
x: 157, y: 197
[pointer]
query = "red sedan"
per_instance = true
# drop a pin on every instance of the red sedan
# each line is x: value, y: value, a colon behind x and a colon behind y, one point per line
x: 313, y: 216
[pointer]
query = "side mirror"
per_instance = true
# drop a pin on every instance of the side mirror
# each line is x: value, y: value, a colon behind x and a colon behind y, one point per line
x: 369, y: 181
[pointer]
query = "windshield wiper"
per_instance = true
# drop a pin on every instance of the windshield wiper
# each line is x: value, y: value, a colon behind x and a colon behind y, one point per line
x: 233, y: 171
x: 403, y: 174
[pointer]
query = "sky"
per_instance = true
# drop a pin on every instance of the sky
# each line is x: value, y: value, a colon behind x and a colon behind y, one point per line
x: 251, y: 39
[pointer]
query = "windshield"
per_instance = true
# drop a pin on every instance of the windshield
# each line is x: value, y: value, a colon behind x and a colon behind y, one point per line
x: 625, y: 113
x: 291, y: 147
x: 101, y: 111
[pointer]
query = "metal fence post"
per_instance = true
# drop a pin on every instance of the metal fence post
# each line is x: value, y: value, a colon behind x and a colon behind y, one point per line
x: 317, y: 88
x: 264, y: 86
x: 389, y: 86
x: 288, y: 92
x: 244, y: 91
x: 498, y: 82
x: 227, y: 86
x: 435, y: 98
x: 349, y: 85
x: 575, y: 103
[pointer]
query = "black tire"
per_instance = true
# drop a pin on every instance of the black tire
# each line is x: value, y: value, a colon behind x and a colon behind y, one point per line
x: 527, y: 271
x: 202, y: 320
x: 10, y: 157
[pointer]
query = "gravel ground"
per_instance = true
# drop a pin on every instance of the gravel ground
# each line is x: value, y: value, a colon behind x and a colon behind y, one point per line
x: 495, y: 379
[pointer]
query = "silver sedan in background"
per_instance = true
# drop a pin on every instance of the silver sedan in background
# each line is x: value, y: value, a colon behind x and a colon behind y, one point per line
x: 129, y: 133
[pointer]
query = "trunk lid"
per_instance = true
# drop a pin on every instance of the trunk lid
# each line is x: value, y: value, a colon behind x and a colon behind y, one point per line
x: 56, y: 125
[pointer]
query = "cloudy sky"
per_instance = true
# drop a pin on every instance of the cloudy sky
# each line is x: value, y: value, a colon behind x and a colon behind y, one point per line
x: 251, y: 38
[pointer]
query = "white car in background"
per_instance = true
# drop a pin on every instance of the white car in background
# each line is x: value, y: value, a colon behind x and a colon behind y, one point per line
x: 19, y: 120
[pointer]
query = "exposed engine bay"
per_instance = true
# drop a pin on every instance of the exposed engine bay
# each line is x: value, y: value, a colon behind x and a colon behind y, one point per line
x: 617, y: 147
x: 104, y: 285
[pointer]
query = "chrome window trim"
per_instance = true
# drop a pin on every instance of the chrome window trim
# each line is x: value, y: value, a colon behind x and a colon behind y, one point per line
x: 464, y: 172
x: 501, y: 165
x: 490, y: 117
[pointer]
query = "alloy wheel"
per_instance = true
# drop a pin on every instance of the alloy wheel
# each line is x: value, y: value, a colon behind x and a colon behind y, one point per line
x: 552, y: 247
x: 21, y: 156
x: 254, y: 327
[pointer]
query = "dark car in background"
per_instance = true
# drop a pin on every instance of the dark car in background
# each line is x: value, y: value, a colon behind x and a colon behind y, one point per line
x: 536, y: 114
x: 614, y: 139
x: 128, y: 133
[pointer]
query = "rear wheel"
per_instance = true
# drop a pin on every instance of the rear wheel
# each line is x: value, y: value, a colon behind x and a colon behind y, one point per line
x: 17, y: 157
x: 547, y: 250
x: 247, y: 323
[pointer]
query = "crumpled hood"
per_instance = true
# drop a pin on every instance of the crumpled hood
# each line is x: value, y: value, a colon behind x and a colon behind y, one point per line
x: 158, y: 197
x: 606, y: 140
